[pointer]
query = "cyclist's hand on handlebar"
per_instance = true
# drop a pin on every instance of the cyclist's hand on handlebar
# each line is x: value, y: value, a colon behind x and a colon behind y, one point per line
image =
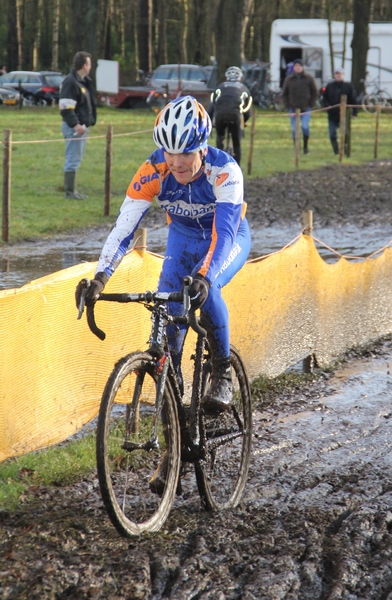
x: 198, y: 291
x: 94, y: 289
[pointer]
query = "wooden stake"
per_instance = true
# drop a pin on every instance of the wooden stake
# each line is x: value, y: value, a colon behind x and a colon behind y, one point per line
x: 251, y: 142
x: 297, y: 136
x: 7, y: 155
x: 343, y: 108
x: 376, y: 140
x: 140, y: 240
x: 108, y: 170
x: 307, y: 222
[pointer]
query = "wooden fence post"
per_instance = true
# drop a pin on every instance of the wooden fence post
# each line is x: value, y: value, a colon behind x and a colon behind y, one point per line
x: 377, y: 136
x: 297, y: 136
x: 348, y: 136
x: 252, y: 136
x: 140, y: 240
x: 343, y: 108
x: 307, y: 227
x: 307, y: 222
x: 108, y: 170
x: 7, y: 155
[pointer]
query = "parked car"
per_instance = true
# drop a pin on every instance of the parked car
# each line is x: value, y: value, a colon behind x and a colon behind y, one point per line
x: 169, y: 81
x: 170, y: 78
x: 9, y: 96
x: 40, y: 87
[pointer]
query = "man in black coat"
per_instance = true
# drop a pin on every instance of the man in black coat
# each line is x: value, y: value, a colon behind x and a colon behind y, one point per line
x: 300, y: 91
x: 331, y: 97
x: 230, y: 103
x: 77, y: 108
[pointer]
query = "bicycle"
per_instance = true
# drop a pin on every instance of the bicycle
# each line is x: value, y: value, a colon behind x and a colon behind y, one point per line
x: 144, y: 417
x: 369, y: 100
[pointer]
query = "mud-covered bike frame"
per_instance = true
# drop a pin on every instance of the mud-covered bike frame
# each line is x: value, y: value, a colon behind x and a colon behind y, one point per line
x: 144, y: 420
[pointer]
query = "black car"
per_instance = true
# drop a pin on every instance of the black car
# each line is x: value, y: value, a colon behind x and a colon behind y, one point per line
x: 41, y: 87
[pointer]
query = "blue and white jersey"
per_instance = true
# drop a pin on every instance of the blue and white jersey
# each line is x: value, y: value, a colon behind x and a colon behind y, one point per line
x: 211, y: 207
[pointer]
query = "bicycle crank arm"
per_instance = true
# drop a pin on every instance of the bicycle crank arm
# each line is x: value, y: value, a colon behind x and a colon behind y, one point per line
x: 148, y: 446
x: 221, y: 440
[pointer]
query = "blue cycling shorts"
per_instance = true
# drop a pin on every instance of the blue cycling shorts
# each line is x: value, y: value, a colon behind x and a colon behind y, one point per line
x: 184, y: 256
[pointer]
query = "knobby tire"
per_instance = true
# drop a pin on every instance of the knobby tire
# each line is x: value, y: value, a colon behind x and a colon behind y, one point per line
x: 127, y: 413
x: 222, y: 475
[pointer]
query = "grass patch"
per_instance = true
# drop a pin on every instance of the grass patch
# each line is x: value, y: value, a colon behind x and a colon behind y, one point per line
x: 56, y: 466
x: 38, y: 206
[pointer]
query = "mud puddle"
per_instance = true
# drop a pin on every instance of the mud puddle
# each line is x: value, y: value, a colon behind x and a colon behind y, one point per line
x: 25, y: 262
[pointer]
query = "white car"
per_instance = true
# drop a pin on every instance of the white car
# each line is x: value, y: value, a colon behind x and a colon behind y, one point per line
x: 10, y: 97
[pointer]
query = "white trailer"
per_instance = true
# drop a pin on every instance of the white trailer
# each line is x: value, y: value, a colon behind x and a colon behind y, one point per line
x: 308, y: 39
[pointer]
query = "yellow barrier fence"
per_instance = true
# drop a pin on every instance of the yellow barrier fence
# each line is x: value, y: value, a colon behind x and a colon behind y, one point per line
x: 282, y: 309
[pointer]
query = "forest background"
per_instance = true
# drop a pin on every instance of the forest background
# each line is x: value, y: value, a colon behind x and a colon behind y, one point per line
x: 142, y: 34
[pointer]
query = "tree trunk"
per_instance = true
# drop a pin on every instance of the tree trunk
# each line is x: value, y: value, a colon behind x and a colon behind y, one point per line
x: 331, y: 53
x: 245, y: 20
x: 150, y: 41
x: 184, y: 50
x: 162, y: 38
x: 19, y: 33
x: 55, y: 39
x: 360, y: 43
x: 37, y: 36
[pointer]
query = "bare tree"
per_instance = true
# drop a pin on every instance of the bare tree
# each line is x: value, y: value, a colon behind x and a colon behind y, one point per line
x: 55, y: 40
x: 360, y: 43
x: 331, y: 52
x: 37, y: 35
x: 19, y: 37
x: 247, y: 7
x: 184, y: 50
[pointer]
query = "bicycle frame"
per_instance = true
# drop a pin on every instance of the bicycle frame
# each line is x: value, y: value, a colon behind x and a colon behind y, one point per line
x: 155, y: 302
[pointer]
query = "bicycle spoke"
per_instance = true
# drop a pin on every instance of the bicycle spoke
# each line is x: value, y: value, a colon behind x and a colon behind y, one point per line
x: 131, y: 443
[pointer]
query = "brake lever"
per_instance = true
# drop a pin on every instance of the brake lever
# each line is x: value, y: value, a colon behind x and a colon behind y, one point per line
x: 82, y: 303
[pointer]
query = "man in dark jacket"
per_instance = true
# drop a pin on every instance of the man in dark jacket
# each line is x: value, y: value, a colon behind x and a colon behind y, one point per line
x: 77, y: 108
x: 300, y: 91
x: 331, y: 97
x: 230, y: 102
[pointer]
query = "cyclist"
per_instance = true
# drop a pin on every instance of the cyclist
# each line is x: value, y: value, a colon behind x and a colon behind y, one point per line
x: 230, y: 103
x: 201, y: 190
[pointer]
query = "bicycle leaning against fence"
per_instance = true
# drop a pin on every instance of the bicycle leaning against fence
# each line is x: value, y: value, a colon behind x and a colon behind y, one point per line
x: 144, y: 417
x: 374, y: 95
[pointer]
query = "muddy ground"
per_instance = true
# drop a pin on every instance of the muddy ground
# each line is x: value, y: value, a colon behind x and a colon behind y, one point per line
x: 315, y: 522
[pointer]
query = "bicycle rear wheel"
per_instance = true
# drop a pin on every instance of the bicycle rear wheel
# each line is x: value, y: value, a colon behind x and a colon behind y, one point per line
x: 128, y: 452
x: 222, y: 476
x: 369, y: 103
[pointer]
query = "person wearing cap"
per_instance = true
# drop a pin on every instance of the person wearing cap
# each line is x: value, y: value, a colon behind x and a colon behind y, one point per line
x: 331, y: 98
x: 300, y: 91
x: 201, y: 189
x: 230, y: 106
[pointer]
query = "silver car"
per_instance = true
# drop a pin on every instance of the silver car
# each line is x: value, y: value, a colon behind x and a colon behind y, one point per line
x: 9, y: 97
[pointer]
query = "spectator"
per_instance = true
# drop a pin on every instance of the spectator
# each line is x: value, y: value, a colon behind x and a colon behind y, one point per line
x: 300, y: 91
x: 3, y: 70
x: 230, y: 102
x: 331, y: 97
x: 77, y: 108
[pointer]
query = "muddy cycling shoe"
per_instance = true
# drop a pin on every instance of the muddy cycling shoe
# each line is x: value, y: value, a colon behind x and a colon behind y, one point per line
x: 219, y: 396
x: 158, y: 480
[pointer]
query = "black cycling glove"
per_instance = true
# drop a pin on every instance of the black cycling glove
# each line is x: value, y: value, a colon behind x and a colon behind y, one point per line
x: 198, y: 291
x: 95, y: 288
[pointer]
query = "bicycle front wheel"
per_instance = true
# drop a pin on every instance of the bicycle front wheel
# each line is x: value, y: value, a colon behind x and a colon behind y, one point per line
x: 222, y: 475
x: 132, y: 440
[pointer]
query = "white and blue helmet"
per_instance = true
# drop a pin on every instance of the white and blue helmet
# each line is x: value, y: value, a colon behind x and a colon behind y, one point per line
x: 183, y: 126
